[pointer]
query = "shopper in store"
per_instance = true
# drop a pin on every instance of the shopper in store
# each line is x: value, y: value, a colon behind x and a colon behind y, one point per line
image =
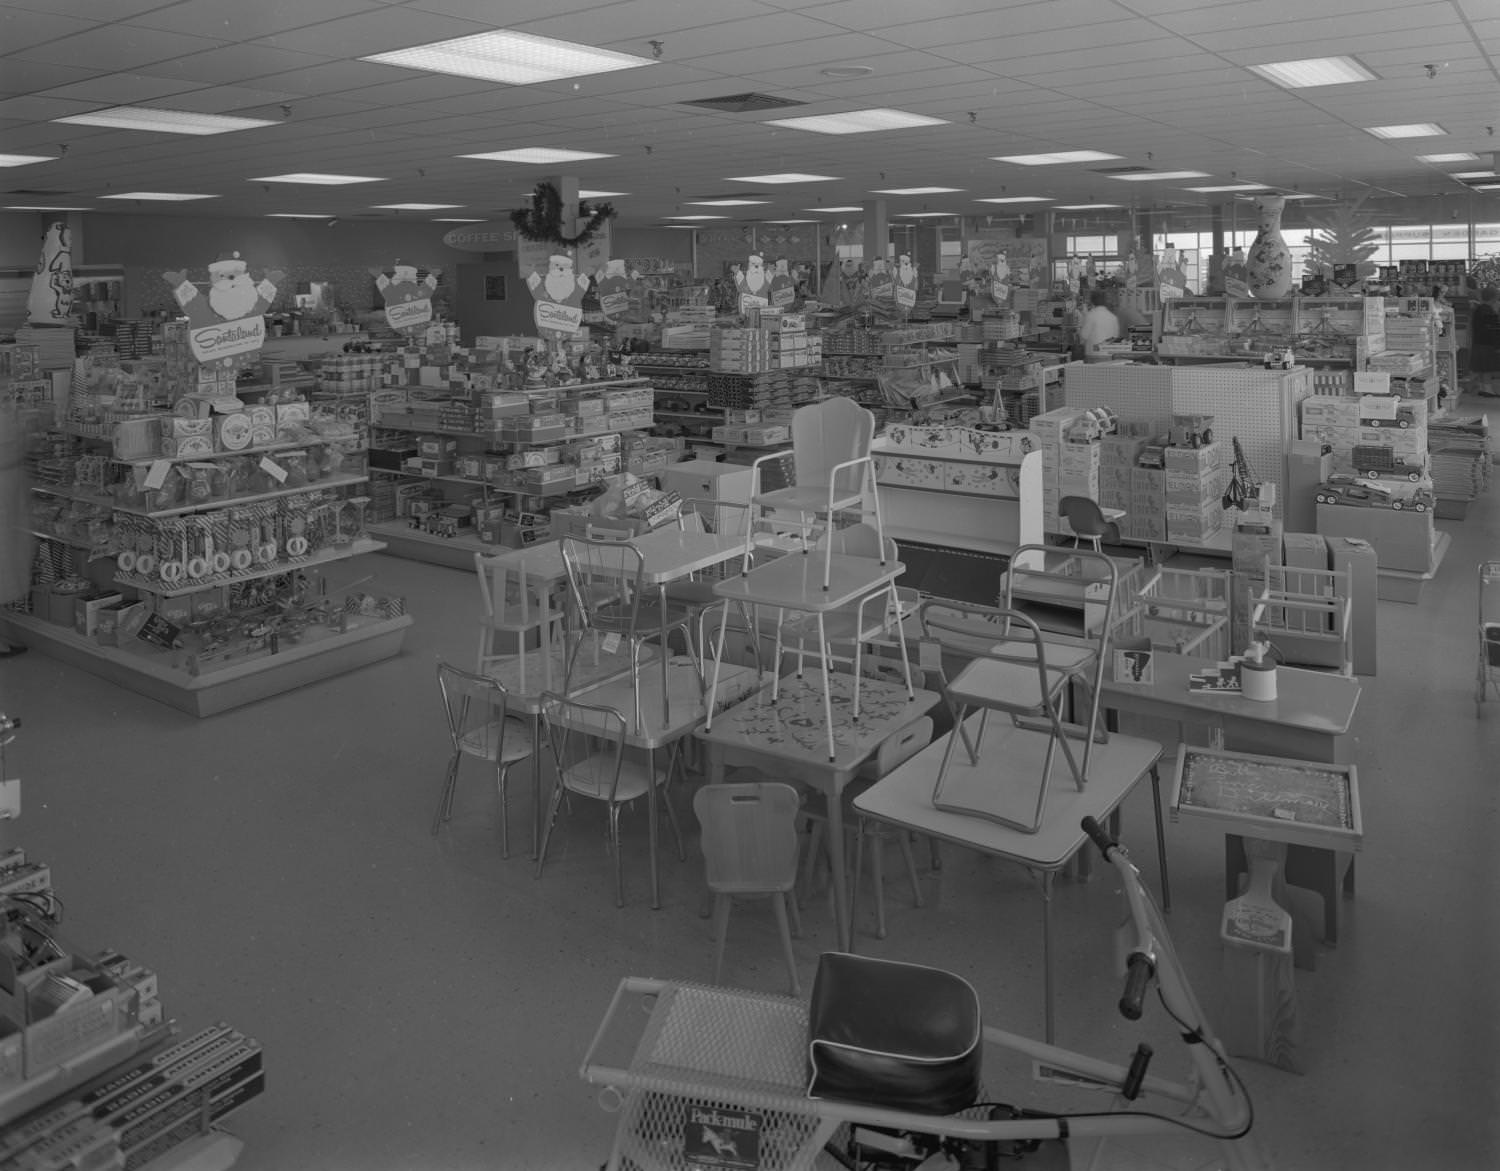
x: 15, y: 538
x: 1484, y: 343
x: 1098, y: 326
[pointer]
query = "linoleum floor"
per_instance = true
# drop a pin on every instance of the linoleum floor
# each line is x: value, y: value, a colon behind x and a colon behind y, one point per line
x: 423, y: 1003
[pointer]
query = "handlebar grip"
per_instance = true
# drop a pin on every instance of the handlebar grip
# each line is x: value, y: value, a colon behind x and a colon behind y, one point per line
x: 1098, y: 836
x: 1138, y: 973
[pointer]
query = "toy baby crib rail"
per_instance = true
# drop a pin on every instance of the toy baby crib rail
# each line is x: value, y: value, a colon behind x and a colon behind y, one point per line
x: 1305, y: 615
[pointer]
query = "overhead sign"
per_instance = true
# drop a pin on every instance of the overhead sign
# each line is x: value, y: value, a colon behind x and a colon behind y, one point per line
x: 493, y: 236
x: 563, y: 318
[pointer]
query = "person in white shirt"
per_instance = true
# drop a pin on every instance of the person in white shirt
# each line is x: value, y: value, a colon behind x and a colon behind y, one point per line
x: 1099, y: 325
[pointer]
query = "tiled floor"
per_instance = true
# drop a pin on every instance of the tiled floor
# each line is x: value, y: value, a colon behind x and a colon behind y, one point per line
x: 424, y: 1004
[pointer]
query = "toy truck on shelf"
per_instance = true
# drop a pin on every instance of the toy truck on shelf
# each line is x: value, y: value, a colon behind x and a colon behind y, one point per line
x: 1344, y: 488
x: 1374, y: 462
x: 1390, y: 416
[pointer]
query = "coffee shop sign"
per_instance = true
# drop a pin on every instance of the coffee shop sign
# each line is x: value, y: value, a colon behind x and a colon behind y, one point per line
x: 493, y: 236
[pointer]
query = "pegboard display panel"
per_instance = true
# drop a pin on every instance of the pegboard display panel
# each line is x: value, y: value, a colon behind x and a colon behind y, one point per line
x: 1260, y: 407
x: 1134, y: 393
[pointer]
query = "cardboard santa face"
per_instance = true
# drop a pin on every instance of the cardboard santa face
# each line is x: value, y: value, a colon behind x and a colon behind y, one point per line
x: 753, y: 285
x: 231, y: 292
x: 228, y: 324
x: 51, y: 299
x: 558, y: 294
x: 408, y: 302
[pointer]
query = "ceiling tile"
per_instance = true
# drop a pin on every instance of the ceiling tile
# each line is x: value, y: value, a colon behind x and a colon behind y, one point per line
x: 377, y: 31
x: 25, y: 77
x: 91, y: 10
x: 120, y: 89
x: 516, y: 11
x: 864, y: 15
x: 237, y: 20
x: 236, y: 63
x: 43, y: 109
x: 842, y: 48
x: 1011, y: 21
x: 330, y: 77
x: 637, y: 22
x: 119, y: 46
x: 222, y: 99
x: 23, y: 28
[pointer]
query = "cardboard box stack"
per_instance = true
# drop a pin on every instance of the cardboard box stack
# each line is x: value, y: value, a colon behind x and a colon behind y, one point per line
x: 1372, y: 418
x: 1193, y: 490
x: 1048, y: 429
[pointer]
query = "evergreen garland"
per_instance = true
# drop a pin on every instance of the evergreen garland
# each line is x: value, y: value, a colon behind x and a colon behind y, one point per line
x: 541, y: 223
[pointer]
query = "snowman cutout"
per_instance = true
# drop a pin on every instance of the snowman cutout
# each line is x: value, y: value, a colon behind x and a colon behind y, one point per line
x: 50, y: 301
x: 753, y: 284
x: 783, y: 287
x: 906, y: 283
x: 408, y: 302
x: 613, y: 286
x: 558, y: 311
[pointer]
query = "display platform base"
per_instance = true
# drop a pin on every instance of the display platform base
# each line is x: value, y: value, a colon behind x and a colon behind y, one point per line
x: 224, y: 687
x: 214, y: 1151
x: 1396, y: 585
x: 1451, y: 509
x: 401, y: 540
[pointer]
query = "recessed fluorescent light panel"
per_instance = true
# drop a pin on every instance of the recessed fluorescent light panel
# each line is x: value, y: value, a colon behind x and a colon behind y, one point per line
x: 162, y: 196
x: 1472, y: 175
x: 791, y: 221
x: 415, y: 206
x: 298, y: 215
x: 726, y: 202
x: 857, y: 122
x: 1148, y: 176
x: 601, y: 194
x: 784, y: 177
x: 1487, y: 187
x: 1016, y: 199
x: 1087, y: 207
x: 28, y: 207
x: 316, y: 179
x: 917, y: 190
x: 848, y: 207
x: 537, y: 154
x: 8, y: 160
x: 1058, y: 156
x: 926, y: 215
x: 1313, y: 71
x: 1458, y: 156
x: 455, y: 220
x: 163, y: 121
x: 696, y: 217
x: 1409, y: 130
x: 1227, y: 187
x: 510, y: 57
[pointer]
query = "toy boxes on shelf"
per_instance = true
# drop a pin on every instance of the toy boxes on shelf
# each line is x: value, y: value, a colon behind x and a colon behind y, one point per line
x: 1069, y: 440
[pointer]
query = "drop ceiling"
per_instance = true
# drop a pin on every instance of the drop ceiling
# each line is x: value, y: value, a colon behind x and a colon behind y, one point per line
x: 1161, y: 83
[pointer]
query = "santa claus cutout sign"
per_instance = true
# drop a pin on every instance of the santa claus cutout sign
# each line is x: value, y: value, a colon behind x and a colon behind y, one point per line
x: 613, y: 288
x: 753, y: 284
x: 558, y: 312
x: 906, y: 283
x: 408, y: 302
x: 228, y: 325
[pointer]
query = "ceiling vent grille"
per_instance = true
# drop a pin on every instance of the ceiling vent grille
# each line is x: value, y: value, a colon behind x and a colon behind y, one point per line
x: 743, y: 103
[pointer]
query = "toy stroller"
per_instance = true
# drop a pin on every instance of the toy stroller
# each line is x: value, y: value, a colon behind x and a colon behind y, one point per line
x: 1488, y: 672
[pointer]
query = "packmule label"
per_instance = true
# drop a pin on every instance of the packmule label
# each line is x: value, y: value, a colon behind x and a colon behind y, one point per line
x: 227, y: 338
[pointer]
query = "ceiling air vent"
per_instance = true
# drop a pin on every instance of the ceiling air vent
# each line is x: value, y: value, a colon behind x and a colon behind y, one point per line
x: 743, y: 103
x: 1132, y: 170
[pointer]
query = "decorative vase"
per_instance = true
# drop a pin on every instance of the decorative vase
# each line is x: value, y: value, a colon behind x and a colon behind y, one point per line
x: 1269, y: 264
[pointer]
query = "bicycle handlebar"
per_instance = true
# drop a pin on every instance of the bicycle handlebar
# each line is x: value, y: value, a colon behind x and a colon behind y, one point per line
x: 1140, y: 965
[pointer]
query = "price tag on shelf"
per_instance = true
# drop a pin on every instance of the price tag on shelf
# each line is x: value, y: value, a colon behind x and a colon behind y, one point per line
x: 156, y: 475
x: 273, y: 469
x: 611, y: 643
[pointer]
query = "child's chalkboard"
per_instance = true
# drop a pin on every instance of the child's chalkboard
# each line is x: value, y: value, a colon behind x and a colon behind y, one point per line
x: 1267, y: 796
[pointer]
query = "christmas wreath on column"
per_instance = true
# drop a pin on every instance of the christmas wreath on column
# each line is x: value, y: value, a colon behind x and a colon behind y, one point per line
x: 541, y: 223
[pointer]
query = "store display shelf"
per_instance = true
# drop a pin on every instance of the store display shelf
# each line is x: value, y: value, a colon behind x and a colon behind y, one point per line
x: 671, y: 390
x: 73, y: 494
x: 715, y: 416
x: 1397, y: 585
x: 225, y: 502
x: 1249, y: 359
x: 19, y: 1098
x: 498, y: 440
x: 267, y: 449
x: 499, y: 489
x: 322, y: 557
x: 941, y: 491
x: 218, y: 687
x: 71, y: 542
x: 955, y: 540
x: 401, y: 540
